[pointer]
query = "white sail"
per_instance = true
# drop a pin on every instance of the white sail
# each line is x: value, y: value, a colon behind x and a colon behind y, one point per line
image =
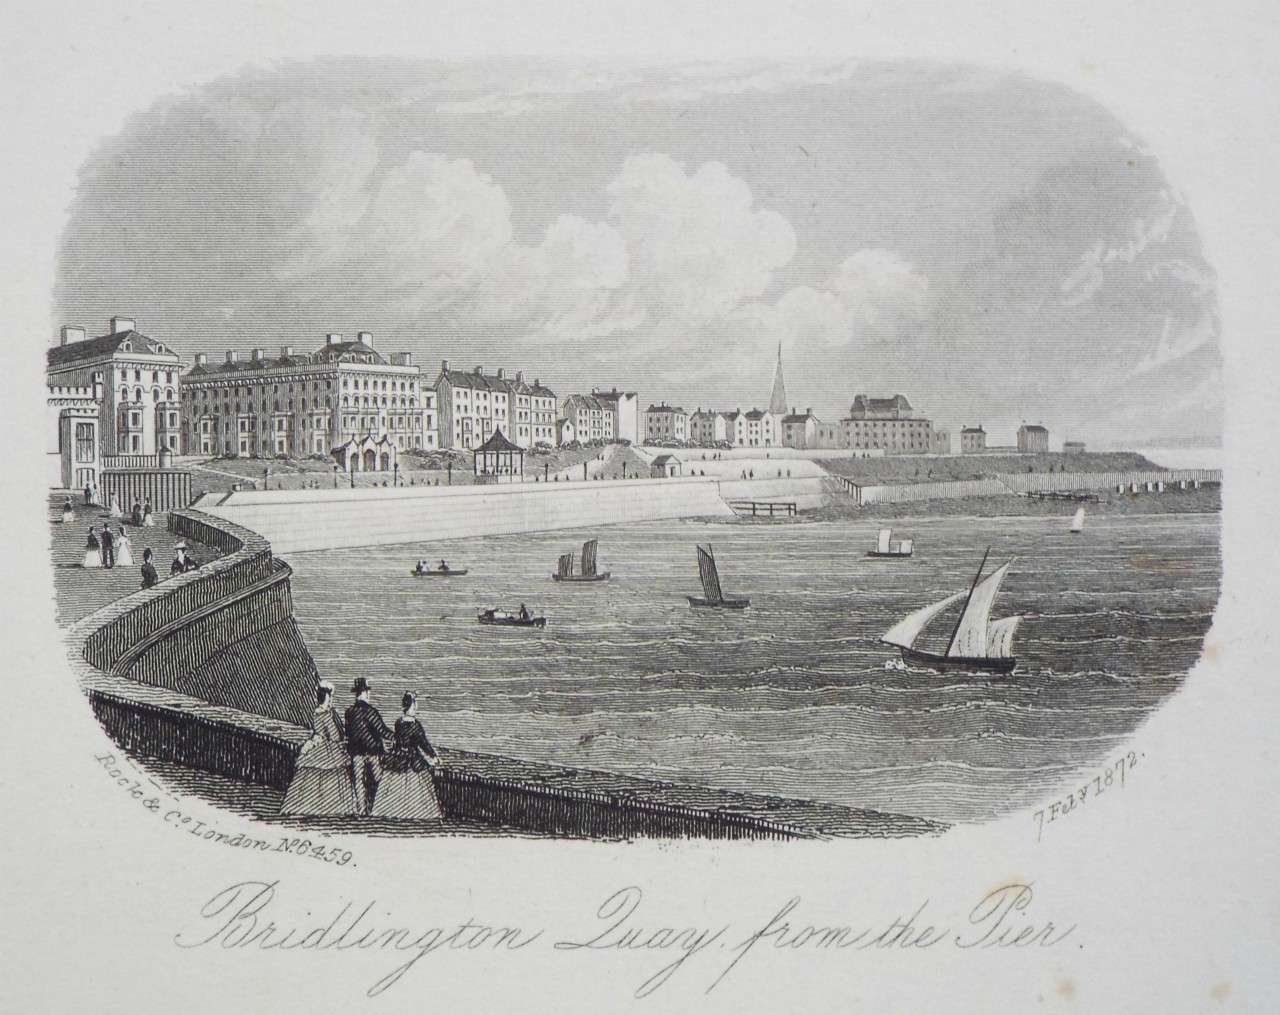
x: 906, y: 545
x: 1000, y: 637
x: 1077, y: 523
x: 906, y: 631
x: 882, y: 546
x: 970, y: 640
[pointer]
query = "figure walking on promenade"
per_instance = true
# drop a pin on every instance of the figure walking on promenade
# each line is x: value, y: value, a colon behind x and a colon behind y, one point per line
x: 367, y: 735
x: 92, y: 551
x: 181, y: 562
x: 407, y: 789
x: 108, y: 547
x: 124, y: 549
x: 148, y: 519
x: 322, y: 775
x: 136, y: 514
x: 149, y: 576
x: 68, y: 512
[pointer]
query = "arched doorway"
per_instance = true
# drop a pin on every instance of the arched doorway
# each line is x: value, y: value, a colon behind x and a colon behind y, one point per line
x: 370, y: 461
x: 385, y: 461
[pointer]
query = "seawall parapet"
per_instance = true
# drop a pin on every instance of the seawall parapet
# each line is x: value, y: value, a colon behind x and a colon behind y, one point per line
x: 300, y: 520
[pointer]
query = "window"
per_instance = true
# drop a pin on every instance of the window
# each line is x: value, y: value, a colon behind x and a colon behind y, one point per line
x: 84, y: 442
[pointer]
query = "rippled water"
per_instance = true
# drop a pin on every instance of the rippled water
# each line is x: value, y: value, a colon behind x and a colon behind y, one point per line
x: 792, y: 696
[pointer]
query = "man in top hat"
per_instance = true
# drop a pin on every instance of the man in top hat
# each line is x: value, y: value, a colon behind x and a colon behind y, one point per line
x: 181, y: 562
x: 149, y: 575
x: 136, y: 514
x: 367, y: 736
x: 108, y: 546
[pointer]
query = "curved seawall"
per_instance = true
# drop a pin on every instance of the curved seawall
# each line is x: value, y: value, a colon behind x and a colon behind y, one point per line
x: 209, y: 672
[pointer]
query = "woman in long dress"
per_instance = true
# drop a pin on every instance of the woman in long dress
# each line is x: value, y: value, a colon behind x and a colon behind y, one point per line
x: 115, y: 507
x: 407, y: 790
x: 68, y: 512
x: 322, y: 774
x: 148, y: 519
x: 124, y: 549
x: 92, y: 550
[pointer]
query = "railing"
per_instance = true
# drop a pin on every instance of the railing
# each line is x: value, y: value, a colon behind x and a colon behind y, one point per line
x: 164, y: 489
x: 767, y: 507
x: 131, y: 461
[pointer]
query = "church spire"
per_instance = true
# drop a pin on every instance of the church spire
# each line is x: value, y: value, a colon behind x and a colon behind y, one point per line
x: 778, y: 400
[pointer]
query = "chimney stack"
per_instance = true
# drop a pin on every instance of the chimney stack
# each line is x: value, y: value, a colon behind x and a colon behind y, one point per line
x: 201, y: 359
x: 502, y: 373
x: 479, y: 371
x: 333, y: 338
x: 120, y: 324
x: 444, y: 366
x: 232, y: 356
x: 286, y: 350
x: 519, y: 376
x: 259, y: 355
x: 70, y: 333
x: 401, y: 359
x: 809, y: 411
x: 366, y: 337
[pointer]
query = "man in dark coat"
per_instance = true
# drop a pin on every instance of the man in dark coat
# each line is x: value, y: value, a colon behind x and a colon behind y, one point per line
x: 108, y: 547
x: 367, y: 736
x: 149, y: 575
x: 137, y: 513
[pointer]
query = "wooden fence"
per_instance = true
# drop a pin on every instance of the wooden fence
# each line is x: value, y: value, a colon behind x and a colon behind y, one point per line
x: 166, y: 489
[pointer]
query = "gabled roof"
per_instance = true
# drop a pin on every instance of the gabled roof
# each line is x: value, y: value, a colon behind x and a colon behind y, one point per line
x: 664, y: 459
x: 865, y: 403
x: 106, y: 345
x: 542, y: 391
x: 473, y: 380
x: 499, y: 443
x: 338, y: 351
x: 973, y: 429
x: 799, y: 417
x: 1033, y: 428
x: 666, y: 408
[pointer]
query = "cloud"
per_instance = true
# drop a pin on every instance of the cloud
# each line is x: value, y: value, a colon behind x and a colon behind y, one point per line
x: 882, y: 289
x: 698, y: 245
x: 1176, y: 343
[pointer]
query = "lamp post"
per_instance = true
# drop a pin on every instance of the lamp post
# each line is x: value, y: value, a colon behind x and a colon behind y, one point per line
x: 395, y: 474
x: 335, y: 475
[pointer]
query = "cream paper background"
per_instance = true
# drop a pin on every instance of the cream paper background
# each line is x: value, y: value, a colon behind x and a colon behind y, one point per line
x: 1173, y: 883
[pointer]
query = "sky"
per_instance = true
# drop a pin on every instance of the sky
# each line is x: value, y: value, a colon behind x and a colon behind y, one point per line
x: 998, y: 249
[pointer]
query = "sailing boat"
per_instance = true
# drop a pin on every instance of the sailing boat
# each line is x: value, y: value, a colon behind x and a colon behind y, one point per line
x: 885, y: 548
x: 711, y: 585
x: 1077, y: 523
x: 977, y: 643
x: 565, y: 572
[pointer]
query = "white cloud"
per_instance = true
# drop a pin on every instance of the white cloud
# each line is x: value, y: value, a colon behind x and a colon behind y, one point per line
x: 1176, y: 343
x: 882, y: 288
x: 698, y: 247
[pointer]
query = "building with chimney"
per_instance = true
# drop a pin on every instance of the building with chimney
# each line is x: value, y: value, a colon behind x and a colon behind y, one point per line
x: 625, y: 406
x: 973, y: 440
x: 1032, y: 439
x: 111, y: 396
x: 800, y: 429
x: 707, y: 427
x: 665, y: 423
x: 890, y: 424
x: 301, y: 404
x: 474, y: 406
x: 592, y: 418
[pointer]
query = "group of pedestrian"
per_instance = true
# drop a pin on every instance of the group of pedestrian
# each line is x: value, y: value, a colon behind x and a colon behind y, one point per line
x: 356, y: 765
x: 108, y: 548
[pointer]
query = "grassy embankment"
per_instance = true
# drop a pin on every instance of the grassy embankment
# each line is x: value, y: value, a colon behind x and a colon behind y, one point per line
x: 897, y: 469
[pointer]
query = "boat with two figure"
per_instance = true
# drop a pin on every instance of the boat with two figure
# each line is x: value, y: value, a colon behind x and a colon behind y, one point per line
x: 977, y: 643
x: 507, y: 618
x: 441, y: 570
x: 887, y: 547
x: 1077, y: 523
x: 712, y: 594
x: 587, y: 573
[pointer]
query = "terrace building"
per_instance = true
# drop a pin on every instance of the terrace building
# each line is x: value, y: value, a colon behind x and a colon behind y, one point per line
x: 300, y: 404
x: 800, y: 429
x: 592, y: 418
x: 707, y: 427
x: 473, y: 407
x: 133, y: 382
x: 889, y: 424
x: 665, y: 423
x: 626, y: 412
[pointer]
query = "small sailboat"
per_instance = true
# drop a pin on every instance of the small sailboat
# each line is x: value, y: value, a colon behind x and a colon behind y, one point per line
x: 505, y: 618
x: 885, y: 547
x: 713, y: 595
x: 588, y: 573
x: 1077, y: 523
x: 977, y: 643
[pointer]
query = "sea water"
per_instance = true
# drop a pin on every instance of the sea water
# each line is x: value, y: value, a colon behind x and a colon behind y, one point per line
x: 794, y: 696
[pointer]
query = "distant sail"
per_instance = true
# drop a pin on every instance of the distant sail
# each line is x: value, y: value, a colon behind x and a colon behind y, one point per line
x: 906, y: 546
x: 710, y: 576
x: 970, y: 639
x: 1000, y: 637
x: 1077, y: 523
x: 882, y: 545
x: 589, y: 557
x: 906, y: 631
x: 566, y: 565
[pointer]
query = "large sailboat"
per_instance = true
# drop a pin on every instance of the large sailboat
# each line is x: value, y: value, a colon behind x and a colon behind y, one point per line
x: 1077, y: 523
x: 713, y: 595
x: 977, y: 643
x: 886, y: 547
x: 588, y: 572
